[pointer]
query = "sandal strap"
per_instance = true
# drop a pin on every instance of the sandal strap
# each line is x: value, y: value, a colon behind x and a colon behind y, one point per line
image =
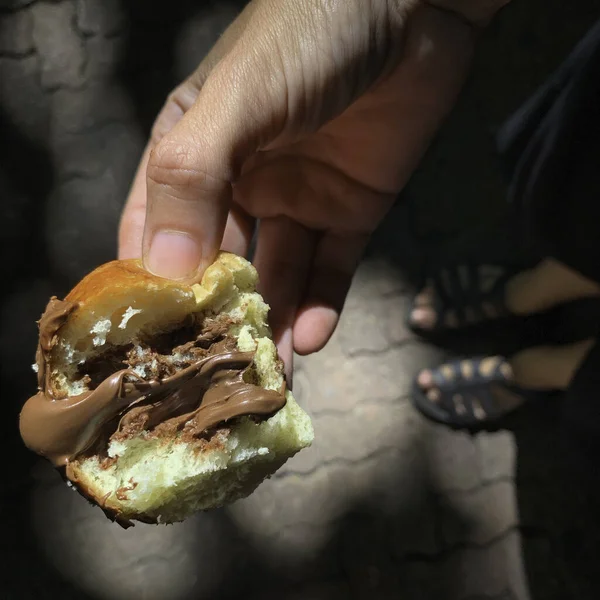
x: 472, y: 391
x: 497, y: 295
x: 476, y: 296
x: 442, y: 297
x: 488, y: 403
x: 454, y: 288
x: 476, y: 379
x: 459, y: 288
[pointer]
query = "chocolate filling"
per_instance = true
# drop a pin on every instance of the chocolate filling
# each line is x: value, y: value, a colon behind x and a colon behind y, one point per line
x: 165, y: 385
x: 160, y: 355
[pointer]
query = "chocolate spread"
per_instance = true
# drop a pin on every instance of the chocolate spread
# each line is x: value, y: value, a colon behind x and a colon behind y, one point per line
x: 190, y: 400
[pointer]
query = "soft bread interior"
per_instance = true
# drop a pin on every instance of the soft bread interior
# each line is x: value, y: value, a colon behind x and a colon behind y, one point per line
x: 159, y: 479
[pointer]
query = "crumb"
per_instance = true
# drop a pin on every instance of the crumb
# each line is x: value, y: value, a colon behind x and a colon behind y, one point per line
x: 130, y: 312
x: 101, y: 329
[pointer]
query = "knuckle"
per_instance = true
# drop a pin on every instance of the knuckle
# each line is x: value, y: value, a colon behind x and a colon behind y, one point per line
x: 178, y: 102
x: 159, y: 129
x: 174, y: 164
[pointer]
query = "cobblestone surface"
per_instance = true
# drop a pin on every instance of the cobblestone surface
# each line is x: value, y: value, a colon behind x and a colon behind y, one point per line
x: 384, y: 505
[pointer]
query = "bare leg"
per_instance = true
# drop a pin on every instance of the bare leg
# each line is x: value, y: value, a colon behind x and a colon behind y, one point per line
x: 548, y: 367
x: 548, y: 284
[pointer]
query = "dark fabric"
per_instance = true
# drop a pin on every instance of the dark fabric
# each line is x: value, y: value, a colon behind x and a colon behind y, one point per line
x: 581, y: 408
x: 550, y: 148
x: 551, y: 151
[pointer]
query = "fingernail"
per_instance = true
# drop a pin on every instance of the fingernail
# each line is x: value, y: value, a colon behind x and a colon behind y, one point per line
x: 174, y: 255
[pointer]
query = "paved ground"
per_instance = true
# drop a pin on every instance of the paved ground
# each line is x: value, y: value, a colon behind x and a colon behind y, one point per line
x: 384, y: 505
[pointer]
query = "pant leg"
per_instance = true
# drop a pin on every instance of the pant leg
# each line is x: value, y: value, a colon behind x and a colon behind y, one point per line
x: 551, y: 149
x: 580, y: 413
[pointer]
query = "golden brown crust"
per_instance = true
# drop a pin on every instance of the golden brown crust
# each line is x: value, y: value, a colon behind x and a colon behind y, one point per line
x: 123, y: 276
x: 119, y: 274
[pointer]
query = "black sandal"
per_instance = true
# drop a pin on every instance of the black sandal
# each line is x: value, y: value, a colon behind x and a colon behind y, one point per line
x: 461, y: 290
x: 466, y: 400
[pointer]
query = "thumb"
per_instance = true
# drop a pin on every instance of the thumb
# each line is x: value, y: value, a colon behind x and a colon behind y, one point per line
x: 191, y: 169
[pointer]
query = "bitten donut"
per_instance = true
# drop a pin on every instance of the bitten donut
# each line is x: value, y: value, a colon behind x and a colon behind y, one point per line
x: 158, y: 399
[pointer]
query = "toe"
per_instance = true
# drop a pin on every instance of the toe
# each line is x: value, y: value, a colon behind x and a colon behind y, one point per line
x: 433, y: 394
x: 425, y: 296
x: 425, y: 379
x: 424, y: 317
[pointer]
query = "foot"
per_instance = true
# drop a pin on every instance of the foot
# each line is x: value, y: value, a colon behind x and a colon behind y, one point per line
x: 460, y: 296
x: 469, y: 393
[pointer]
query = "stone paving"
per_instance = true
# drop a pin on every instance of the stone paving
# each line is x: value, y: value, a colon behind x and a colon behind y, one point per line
x: 385, y: 504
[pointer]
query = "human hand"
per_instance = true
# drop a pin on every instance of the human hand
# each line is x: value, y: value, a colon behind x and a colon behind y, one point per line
x: 309, y: 116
